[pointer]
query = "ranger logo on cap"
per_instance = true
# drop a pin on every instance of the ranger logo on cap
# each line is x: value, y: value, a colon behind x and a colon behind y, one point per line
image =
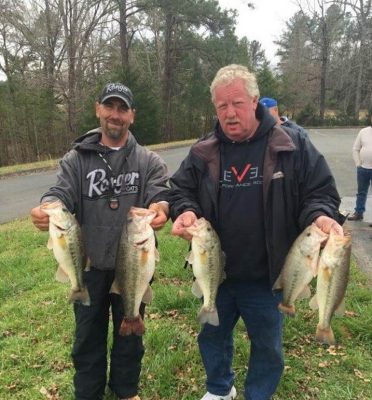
x: 117, y: 90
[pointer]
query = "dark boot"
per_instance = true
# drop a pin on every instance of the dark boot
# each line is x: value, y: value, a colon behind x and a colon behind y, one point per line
x: 356, y: 217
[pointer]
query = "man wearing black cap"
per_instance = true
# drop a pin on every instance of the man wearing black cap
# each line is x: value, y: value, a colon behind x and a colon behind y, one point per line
x: 99, y: 179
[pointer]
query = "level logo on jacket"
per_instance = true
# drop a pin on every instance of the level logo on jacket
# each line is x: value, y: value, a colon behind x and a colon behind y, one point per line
x: 247, y: 176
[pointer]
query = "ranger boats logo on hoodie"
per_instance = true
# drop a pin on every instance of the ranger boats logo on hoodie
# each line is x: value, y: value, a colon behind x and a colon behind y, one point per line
x: 100, y: 183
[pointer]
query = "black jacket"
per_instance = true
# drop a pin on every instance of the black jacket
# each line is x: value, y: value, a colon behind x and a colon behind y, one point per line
x: 297, y: 187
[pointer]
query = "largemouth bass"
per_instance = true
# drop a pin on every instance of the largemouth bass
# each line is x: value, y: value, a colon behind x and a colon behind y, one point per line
x: 299, y: 268
x: 135, y: 268
x: 207, y: 262
x: 66, y: 243
x: 333, y: 275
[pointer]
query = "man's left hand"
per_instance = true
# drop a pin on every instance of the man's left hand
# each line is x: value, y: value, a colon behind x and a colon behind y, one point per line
x: 326, y: 224
x: 161, y: 217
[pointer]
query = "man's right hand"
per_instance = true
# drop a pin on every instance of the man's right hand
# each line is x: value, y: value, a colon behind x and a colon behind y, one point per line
x: 40, y: 219
x: 182, y: 222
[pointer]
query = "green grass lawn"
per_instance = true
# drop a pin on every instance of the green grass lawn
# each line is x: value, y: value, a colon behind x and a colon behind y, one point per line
x: 36, y: 330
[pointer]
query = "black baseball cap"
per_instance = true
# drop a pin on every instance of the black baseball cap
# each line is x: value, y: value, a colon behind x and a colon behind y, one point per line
x: 117, y: 90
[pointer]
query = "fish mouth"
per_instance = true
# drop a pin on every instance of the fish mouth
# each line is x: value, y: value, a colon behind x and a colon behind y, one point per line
x: 60, y: 228
x: 140, y: 243
x: 52, y: 205
x: 192, y: 230
x: 141, y: 213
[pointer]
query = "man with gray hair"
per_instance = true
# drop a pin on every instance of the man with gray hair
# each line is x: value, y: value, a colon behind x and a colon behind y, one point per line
x: 259, y: 185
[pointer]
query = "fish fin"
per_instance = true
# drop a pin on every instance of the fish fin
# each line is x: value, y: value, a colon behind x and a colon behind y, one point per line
x: 305, y: 293
x: 326, y: 273
x: 81, y: 296
x: 115, y: 287
x: 287, y: 309
x: 190, y: 257
x: 312, y: 263
x: 61, y: 275
x: 223, y: 258
x: 157, y: 255
x: 340, y: 310
x: 325, y: 336
x: 88, y: 264
x: 315, y: 266
x: 208, y: 316
x: 132, y: 326
x: 50, y: 243
x: 147, y: 297
x: 196, y: 290
x: 313, y: 303
x: 223, y: 276
x: 278, y: 283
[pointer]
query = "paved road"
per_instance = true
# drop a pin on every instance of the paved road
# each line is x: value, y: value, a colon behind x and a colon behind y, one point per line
x: 336, y: 146
x: 19, y: 194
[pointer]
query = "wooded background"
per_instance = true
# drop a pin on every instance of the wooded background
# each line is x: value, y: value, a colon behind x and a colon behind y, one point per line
x: 56, y: 56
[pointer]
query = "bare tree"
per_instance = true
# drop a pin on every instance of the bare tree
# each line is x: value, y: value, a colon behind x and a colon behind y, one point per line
x: 323, y: 29
x: 80, y: 18
x: 362, y: 11
x: 128, y: 9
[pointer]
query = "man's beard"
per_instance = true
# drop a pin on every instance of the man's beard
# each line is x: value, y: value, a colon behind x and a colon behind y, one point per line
x: 114, y: 133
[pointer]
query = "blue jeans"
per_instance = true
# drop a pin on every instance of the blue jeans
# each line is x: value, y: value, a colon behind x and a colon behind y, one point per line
x: 364, y: 179
x: 258, y: 307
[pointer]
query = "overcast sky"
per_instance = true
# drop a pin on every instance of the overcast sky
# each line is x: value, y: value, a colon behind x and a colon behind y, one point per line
x: 265, y: 23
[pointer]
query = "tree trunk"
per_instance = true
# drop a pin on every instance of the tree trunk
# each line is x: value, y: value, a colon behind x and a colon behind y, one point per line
x: 323, y: 78
x: 124, y: 50
x: 168, y: 78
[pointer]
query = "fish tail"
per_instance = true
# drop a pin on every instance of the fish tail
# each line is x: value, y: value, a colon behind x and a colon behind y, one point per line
x: 81, y: 296
x: 132, y: 326
x: 325, y: 335
x: 287, y: 309
x: 208, y: 316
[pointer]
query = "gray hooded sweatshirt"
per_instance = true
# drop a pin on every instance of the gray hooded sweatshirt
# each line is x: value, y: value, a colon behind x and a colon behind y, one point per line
x: 85, y: 183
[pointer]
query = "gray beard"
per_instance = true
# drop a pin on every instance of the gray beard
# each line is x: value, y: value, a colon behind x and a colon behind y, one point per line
x: 114, y: 134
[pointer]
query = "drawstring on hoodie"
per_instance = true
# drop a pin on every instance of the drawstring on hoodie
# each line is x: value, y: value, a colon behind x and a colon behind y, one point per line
x: 113, y: 200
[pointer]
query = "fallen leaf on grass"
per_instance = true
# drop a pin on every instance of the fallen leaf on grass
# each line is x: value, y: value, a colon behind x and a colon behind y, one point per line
x: 351, y: 314
x: 153, y: 316
x: 13, y: 385
x: 335, y: 351
x: 51, y: 393
x: 47, y: 303
x: 360, y: 375
x: 323, y: 364
x: 172, y: 313
x: 60, y: 366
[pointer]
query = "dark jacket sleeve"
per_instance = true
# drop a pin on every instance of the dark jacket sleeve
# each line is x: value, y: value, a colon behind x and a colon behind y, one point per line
x: 184, y: 183
x: 317, y: 188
